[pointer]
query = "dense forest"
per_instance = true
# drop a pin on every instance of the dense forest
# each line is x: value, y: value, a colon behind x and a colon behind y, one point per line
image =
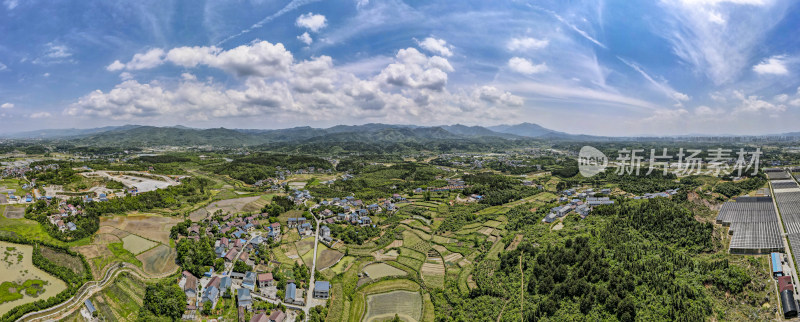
x: 260, y: 166
x: 634, y: 262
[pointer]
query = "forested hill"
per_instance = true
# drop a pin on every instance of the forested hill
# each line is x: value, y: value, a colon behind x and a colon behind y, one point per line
x: 380, y: 134
x: 374, y: 133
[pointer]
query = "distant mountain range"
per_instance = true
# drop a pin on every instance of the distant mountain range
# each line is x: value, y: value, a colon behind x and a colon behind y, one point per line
x: 138, y: 135
x: 372, y: 133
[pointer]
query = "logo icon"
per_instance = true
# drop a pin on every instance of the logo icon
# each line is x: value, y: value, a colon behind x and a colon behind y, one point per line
x: 591, y: 161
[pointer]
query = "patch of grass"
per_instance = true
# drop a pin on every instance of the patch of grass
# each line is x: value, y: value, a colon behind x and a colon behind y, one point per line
x: 495, y: 250
x: 342, y: 264
x: 10, y: 291
x: 120, y: 255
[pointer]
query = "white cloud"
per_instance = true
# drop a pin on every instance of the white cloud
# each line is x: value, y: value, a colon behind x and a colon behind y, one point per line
x: 257, y: 59
x: 781, y: 98
x: 572, y: 26
x: 436, y: 46
x: 46, y: 75
x: 125, y: 76
x: 667, y: 116
x: 54, y: 53
x: 294, y: 4
x: 524, y: 66
x: 40, y: 115
x: 11, y: 4
x: 754, y: 103
x: 361, y: 3
x: 705, y: 111
x: 717, y: 2
x: 57, y: 51
x: 411, y: 87
x: 147, y: 60
x: 115, y: 66
x: 305, y: 38
x: 7, y: 106
x: 415, y: 70
x: 660, y: 85
x: 526, y: 43
x: 310, y: 21
x: 703, y: 35
x: 3, y: 66
x: 775, y: 65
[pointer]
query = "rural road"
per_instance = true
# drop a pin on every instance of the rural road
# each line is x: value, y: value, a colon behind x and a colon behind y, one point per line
x: 310, y: 293
x: 88, y: 289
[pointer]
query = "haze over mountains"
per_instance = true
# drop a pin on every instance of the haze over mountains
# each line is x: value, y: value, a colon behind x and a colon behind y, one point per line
x: 140, y: 135
x: 368, y: 132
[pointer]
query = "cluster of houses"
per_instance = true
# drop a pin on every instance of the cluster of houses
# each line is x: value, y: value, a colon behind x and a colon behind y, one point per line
x: 579, y: 202
x: 215, y: 286
x: 244, y: 287
x: 62, y: 219
x: 665, y: 194
x: 452, y: 184
x: 302, y: 225
x: 20, y: 171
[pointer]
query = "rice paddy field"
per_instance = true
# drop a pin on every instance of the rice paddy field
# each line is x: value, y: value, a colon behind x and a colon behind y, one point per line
x: 140, y: 239
x: 136, y: 244
x: 158, y: 260
x: 16, y: 269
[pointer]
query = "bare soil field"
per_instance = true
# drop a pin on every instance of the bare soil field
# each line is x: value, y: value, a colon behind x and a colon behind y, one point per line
x: 155, y: 228
x: 328, y: 258
x: 136, y: 244
x: 159, y: 260
x: 304, y: 245
x: 229, y: 205
x: 14, y: 212
x: 17, y: 271
x: 396, y: 243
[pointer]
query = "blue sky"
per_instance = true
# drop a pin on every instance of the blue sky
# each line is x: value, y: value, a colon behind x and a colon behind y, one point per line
x: 595, y: 67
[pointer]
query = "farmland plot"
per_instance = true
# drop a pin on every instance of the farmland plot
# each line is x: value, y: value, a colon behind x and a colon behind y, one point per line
x: 136, y: 244
x: 159, y: 260
x: 406, y: 304
x: 380, y: 270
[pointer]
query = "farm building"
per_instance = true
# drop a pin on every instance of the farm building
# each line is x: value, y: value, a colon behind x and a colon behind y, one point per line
x: 89, y: 306
x: 787, y: 197
x: 754, y: 225
x: 777, y: 267
x: 249, y: 280
x: 322, y: 289
x: 244, y: 299
x: 265, y: 280
x: 788, y: 304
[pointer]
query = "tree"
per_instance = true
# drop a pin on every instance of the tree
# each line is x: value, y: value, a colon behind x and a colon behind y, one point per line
x: 165, y: 299
x: 207, y: 308
x: 241, y: 267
